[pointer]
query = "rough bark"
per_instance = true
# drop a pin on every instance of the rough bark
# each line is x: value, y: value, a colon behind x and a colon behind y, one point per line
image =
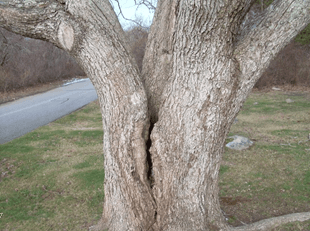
x: 198, y: 73
x: 202, y: 60
x: 128, y: 204
x: 157, y: 60
x: 91, y: 33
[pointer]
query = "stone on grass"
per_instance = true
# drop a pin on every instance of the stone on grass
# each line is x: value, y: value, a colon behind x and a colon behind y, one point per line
x: 239, y: 143
x: 276, y: 89
x: 289, y: 101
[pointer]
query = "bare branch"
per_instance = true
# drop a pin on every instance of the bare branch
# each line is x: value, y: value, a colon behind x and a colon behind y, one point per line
x: 260, y: 43
x: 149, y: 4
x: 121, y: 13
x: 36, y: 19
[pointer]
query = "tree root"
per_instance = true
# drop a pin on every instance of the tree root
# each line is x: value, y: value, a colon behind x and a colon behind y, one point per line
x: 268, y: 224
x: 263, y: 225
x: 100, y: 226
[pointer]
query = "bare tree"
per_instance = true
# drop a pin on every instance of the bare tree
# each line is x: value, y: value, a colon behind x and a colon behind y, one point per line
x: 202, y: 60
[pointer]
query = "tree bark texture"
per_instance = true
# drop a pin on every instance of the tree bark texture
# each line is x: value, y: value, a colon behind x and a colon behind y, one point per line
x: 202, y: 60
x: 207, y: 81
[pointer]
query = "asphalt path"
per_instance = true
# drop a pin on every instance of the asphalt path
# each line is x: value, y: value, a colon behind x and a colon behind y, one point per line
x: 24, y: 115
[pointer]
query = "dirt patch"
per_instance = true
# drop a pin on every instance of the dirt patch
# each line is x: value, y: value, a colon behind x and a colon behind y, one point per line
x: 83, y: 129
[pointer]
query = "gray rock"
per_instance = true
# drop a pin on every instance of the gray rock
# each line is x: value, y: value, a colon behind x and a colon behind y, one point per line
x: 289, y: 101
x: 239, y: 143
x: 276, y: 89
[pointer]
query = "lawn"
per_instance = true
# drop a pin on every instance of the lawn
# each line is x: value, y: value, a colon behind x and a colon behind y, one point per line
x: 271, y: 178
x: 52, y: 178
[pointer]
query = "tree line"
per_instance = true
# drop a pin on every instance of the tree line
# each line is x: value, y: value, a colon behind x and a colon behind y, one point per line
x: 26, y: 62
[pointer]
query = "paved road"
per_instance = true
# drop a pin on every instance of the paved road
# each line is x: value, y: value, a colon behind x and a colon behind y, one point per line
x: 24, y: 115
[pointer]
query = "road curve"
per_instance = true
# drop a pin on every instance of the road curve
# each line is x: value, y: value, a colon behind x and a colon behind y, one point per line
x: 24, y: 115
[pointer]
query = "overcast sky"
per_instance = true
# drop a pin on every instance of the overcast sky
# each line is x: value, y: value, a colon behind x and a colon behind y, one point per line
x: 131, y: 11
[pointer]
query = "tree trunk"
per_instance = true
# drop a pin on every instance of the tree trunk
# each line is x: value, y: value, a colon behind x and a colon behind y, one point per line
x: 95, y: 39
x: 128, y: 204
x: 197, y: 107
x: 201, y: 62
x: 196, y: 83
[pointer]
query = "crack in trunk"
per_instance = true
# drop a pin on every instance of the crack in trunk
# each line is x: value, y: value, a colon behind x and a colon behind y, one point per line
x: 150, y: 173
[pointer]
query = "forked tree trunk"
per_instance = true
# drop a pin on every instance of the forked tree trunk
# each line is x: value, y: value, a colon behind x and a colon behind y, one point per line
x: 197, y: 106
x: 201, y: 62
x: 198, y: 71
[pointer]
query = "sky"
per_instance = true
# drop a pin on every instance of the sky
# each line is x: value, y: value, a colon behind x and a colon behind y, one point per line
x: 131, y: 11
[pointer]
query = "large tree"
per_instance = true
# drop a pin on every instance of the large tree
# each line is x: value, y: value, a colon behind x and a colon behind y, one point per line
x: 202, y: 59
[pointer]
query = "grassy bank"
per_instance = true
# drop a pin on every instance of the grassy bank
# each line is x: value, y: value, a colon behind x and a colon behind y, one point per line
x: 52, y: 178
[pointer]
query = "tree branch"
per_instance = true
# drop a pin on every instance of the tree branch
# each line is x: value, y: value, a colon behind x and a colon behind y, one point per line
x: 148, y: 4
x: 36, y: 19
x: 279, y: 24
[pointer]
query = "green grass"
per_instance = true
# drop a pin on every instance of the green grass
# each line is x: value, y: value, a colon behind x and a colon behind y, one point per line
x: 25, y: 204
x: 273, y: 175
x: 87, y: 163
x: 54, y: 175
x: 223, y: 169
x: 304, y: 36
